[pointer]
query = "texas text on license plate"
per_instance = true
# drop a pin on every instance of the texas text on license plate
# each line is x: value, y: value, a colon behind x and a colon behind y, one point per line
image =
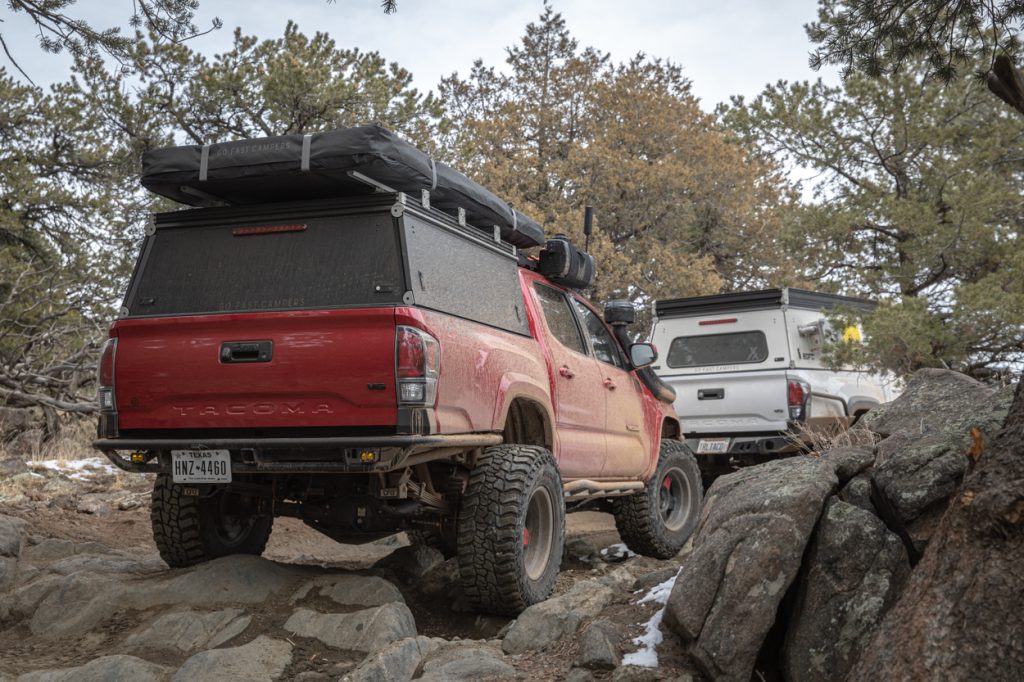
x: 713, y: 445
x: 201, y: 466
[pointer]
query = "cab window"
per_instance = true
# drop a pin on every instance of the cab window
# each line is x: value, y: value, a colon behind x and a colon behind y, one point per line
x: 605, y: 347
x: 559, y: 317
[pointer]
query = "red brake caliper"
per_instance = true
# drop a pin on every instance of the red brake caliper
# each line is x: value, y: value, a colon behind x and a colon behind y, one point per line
x: 526, y: 537
x: 666, y: 484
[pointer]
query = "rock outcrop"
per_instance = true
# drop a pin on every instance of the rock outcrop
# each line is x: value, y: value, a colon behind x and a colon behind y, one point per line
x: 761, y: 546
x: 852, y: 574
x: 746, y: 553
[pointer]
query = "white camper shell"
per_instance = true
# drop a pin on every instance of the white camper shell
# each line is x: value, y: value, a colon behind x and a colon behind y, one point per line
x: 747, y: 371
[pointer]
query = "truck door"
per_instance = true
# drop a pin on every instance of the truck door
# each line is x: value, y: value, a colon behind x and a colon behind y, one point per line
x: 629, y: 443
x: 578, y: 397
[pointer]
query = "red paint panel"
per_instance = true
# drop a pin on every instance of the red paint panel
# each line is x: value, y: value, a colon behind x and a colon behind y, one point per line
x: 477, y: 362
x: 724, y: 320
x: 169, y: 373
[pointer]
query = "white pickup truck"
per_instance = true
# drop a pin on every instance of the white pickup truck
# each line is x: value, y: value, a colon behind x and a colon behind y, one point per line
x: 747, y: 371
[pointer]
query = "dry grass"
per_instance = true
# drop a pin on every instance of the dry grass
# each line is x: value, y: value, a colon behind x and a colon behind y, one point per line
x: 75, y: 442
x: 819, y: 439
x: 40, y: 484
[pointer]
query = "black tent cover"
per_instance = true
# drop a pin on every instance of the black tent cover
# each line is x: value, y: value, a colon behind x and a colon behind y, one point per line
x: 316, y: 166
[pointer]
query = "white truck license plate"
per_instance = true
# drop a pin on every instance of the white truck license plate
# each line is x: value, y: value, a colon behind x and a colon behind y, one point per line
x: 713, y: 445
x: 201, y: 466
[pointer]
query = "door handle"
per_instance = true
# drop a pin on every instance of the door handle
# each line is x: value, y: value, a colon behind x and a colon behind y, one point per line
x: 246, y: 351
x: 711, y: 394
x: 566, y: 372
x: 609, y: 384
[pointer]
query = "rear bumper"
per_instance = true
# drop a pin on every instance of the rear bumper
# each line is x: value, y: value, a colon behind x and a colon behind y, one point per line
x: 755, y: 444
x: 298, y: 455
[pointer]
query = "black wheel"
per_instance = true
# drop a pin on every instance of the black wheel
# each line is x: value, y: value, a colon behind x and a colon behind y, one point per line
x: 658, y: 521
x: 511, y: 529
x: 189, y: 529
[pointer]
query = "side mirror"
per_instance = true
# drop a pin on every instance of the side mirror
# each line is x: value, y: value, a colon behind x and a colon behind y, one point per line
x: 642, y: 354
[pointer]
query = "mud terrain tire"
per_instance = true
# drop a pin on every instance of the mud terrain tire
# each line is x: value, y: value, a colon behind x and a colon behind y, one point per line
x: 189, y: 530
x: 658, y: 521
x: 511, y: 529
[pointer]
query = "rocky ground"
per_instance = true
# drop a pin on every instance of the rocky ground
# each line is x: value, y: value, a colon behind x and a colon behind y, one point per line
x: 792, y: 568
x: 84, y: 596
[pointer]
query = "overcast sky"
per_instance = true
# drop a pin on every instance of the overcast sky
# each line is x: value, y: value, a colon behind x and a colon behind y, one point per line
x: 726, y: 47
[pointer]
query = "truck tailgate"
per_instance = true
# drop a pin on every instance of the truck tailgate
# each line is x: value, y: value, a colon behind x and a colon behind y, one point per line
x: 326, y: 368
x: 733, y: 402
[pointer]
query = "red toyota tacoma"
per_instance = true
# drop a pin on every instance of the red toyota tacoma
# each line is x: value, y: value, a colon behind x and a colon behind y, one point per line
x: 371, y: 364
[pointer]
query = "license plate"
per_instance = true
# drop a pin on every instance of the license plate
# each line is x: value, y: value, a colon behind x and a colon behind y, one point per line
x: 201, y: 466
x: 713, y: 445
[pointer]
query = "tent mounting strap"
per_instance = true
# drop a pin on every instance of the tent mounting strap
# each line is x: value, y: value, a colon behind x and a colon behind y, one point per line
x: 204, y: 162
x: 307, y: 142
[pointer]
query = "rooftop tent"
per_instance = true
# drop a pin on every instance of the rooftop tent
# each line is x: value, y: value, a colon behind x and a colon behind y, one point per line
x: 318, y: 166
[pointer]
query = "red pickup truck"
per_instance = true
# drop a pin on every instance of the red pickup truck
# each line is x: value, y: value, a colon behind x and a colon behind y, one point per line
x: 371, y: 365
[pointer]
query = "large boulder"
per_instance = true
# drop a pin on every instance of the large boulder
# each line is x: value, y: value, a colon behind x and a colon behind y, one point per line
x: 939, y: 400
x: 397, y: 662
x: 916, y: 472
x: 465, y: 660
x: 849, y: 462
x: 104, y: 669
x: 852, y: 574
x: 261, y: 660
x: 350, y: 589
x: 747, y: 551
x: 927, y: 432
x: 549, y: 621
x: 84, y: 598
x: 366, y: 630
x: 189, y: 631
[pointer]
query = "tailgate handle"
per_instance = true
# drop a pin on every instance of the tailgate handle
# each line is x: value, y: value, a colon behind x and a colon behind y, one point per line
x: 710, y: 393
x: 246, y: 351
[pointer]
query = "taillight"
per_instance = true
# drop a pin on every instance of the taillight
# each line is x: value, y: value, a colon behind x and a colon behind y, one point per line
x: 798, y: 393
x: 417, y: 365
x: 105, y: 394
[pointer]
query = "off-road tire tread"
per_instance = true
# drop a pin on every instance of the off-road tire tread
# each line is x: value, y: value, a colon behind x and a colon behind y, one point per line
x: 637, y: 522
x: 175, y: 519
x: 488, y: 532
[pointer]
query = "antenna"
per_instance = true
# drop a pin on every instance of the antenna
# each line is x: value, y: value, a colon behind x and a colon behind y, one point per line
x: 588, y: 225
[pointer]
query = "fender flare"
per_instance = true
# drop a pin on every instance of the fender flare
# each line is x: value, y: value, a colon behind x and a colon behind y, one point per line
x: 860, y: 403
x: 514, y: 386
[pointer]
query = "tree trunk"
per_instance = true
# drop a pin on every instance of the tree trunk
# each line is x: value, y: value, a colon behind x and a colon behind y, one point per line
x: 961, y: 615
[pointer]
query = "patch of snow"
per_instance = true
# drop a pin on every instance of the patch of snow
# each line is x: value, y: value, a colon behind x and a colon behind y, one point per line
x: 647, y: 655
x: 77, y: 469
x: 616, y: 552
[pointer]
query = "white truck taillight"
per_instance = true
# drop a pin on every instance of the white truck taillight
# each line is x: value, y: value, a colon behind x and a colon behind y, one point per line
x: 417, y: 364
x: 105, y: 394
x: 798, y: 392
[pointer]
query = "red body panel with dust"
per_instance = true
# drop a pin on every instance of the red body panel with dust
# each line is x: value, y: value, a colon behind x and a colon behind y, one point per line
x: 336, y: 368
